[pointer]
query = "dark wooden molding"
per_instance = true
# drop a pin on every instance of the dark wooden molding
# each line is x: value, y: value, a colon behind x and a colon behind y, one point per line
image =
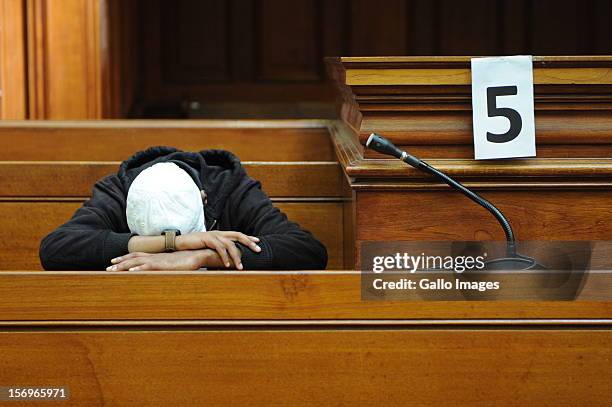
x: 463, y: 61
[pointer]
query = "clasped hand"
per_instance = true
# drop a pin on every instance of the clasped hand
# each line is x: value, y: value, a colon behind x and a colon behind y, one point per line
x: 213, y: 249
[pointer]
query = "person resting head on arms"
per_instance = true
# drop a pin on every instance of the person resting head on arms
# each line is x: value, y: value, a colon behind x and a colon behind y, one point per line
x: 168, y: 209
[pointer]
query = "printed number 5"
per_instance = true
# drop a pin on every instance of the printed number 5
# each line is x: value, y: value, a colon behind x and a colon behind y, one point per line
x: 516, y: 123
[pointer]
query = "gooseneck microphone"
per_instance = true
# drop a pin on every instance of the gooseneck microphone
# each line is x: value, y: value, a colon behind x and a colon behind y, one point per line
x: 512, y: 260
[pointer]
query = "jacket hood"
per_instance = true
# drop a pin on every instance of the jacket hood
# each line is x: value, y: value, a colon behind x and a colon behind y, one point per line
x: 217, y: 172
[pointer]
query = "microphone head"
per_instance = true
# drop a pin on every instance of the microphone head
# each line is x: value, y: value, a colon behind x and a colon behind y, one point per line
x: 383, y: 146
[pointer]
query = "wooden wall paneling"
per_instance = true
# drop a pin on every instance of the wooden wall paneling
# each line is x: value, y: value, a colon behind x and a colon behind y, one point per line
x: 559, y: 27
x: 119, y: 42
x: 13, y: 89
x: 266, y: 66
x: 73, y: 70
x: 36, y: 59
x: 190, y: 44
x: 273, y: 71
x: 289, y: 47
x: 110, y: 22
x: 601, y: 12
x: 64, y: 59
x: 335, y: 27
x: 377, y: 28
x: 514, y: 22
x: 423, y: 28
x: 469, y: 27
x: 237, y: 56
x: 195, y: 41
x: 242, y: 41
x: 131, y: 70
x: 149, y: 87
x: 478, y: 27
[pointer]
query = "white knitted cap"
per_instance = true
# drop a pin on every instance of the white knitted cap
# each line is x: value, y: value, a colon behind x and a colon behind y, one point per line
x: 164, y: 197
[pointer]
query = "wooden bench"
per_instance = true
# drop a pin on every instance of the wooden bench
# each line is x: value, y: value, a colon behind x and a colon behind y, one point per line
x: 296, y: 339
x: 48, y: 170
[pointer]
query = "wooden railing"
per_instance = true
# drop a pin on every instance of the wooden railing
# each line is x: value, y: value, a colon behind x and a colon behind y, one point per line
x: 297, y: 339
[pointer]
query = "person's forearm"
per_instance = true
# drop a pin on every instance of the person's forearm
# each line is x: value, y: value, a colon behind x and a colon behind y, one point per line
x: 157, y: 244
x: 147, y: 244
x: 211, y: 259
x: 153, y: 244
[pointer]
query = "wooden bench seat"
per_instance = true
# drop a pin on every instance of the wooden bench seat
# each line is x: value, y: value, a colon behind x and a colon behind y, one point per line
x: 48, y: 174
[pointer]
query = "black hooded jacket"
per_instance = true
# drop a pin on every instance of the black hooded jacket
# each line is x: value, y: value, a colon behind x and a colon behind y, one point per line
x: 98, y: 231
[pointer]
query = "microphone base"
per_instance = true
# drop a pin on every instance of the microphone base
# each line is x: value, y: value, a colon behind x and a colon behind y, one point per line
x: 513, y: 264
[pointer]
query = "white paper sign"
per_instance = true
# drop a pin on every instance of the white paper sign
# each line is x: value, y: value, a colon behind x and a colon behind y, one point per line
x: 502, y: 107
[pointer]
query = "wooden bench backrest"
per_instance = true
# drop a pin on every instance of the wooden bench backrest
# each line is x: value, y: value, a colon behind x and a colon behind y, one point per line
x: 45, y: 179
x: 116, y: 140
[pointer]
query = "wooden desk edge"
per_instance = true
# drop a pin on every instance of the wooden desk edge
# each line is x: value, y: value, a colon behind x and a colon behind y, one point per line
x: 292, y: 298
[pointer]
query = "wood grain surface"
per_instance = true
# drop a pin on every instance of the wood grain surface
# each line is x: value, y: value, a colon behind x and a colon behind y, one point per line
x: 211, y: 298
x: 53, y: 167
x: 66, y: 58
x: 458, y: 76
x: 447, y: 215
x: 30, y: 221
x: 13, y: 50
x: 57, y: 179
x: 322, y: 367
x: 286, y: 338
x: 455, y: 70
x: 116, y: 140
x: 423, y: 104
x: 448, y: 134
